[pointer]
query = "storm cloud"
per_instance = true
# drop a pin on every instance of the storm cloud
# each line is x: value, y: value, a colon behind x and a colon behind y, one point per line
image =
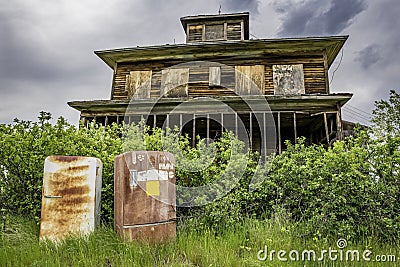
x: 369, y: 56
x: 46, y: 47
x: 240, y: 6
x: 317, y: 17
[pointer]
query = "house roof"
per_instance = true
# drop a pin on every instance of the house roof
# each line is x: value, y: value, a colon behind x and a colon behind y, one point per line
x: 227, y: 49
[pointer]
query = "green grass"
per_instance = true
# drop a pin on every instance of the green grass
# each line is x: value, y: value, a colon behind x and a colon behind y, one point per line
x: 238, y: 246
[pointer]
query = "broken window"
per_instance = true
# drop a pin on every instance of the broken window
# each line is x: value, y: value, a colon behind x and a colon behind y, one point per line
x: 288, y: 79
x: 214, y: 32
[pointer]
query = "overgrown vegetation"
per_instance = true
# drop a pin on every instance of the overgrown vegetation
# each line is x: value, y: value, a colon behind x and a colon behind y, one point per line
x: 349, y: 190
x: 24, y: 147
x: 234, y: 246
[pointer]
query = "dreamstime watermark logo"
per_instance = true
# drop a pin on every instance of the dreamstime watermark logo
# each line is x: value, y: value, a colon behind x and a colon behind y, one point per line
x: 337, y: 254
x: 245, y: 111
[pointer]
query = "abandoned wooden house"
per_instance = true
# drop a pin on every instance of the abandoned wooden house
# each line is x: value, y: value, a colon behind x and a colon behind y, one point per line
x: 274, y: 89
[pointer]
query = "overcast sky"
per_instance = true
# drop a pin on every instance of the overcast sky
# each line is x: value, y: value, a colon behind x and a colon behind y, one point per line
x: 46, y: 46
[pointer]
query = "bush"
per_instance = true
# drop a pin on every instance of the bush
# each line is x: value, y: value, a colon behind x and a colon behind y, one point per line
x: 24, y: 147
x: 349, y: 190
x: 211, y: 170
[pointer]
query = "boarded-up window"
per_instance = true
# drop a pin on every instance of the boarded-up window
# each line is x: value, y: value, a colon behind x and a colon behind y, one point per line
x: 174, y: 82
x: 250, y: 80
x: 215, y: 32
x: 195, y: 33
x: 138, y: 84
x: 234, y: 31
x: 215, y: 76
x: 288, y: 79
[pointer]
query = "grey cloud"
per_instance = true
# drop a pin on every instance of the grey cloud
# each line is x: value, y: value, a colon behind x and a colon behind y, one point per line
x: 46, y: 50
x: 369, y: 56
x: 29, y: 55
x: 294, y: 19
x: 317, y: 17
x: 240, y: 6
x: 46, y: 57
x: 341, y: 14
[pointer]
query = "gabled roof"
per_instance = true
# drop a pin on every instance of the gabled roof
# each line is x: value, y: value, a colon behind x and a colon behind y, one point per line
x: 226, y: 49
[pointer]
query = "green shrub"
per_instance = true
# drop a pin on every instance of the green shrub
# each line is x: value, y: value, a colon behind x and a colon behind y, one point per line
x: 24, y: 147
x: 336, y: 192
x: 349, y: 190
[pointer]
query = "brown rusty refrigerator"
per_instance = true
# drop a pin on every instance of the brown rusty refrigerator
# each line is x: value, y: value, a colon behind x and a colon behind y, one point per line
x: 71, y: 196
x: 144, y: 196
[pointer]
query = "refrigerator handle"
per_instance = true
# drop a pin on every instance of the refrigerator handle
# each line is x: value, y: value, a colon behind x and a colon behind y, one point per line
x: 50, y: 196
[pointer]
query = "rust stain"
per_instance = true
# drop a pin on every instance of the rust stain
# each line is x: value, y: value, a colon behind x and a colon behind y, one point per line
x: 77, y: 169
x: 152, y: 160
x: 132, y: 206
x: 68, y: 202
x: 150, y: 233
x: 66, y: 159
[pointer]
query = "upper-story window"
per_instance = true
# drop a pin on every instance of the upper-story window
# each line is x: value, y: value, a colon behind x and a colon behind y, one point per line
x: 232, y: 27
x: 195, y: 33
x: 214, y: 32
x: 288, y: 79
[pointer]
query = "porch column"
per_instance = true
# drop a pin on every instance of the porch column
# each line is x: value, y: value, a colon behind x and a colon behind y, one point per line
x: 339, y: 125
x: 326, y: 128
x: 279, y: 134
x: 295, y: 127
x: 194, y: 130
x: 208, y: 128
x: 251, y: 130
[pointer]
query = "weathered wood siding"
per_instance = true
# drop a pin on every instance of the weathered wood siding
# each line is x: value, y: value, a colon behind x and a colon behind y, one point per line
x: 118, y: 91
x: 269, y: 81
x: 202, y: 84
x: 315, y: 78
x: 234, y: 31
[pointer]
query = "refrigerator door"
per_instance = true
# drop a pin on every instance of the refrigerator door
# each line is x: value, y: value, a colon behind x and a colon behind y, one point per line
x: 71, y: 196
x: 145, y: 195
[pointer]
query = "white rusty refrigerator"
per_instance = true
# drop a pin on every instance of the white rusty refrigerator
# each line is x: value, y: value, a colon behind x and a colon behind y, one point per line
x: 71, y: 196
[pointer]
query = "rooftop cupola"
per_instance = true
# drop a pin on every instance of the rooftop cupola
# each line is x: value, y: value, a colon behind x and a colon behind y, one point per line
x: 223, y: 27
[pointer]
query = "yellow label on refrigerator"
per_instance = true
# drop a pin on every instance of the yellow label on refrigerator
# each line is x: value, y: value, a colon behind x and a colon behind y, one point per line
x: 153, y: 188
